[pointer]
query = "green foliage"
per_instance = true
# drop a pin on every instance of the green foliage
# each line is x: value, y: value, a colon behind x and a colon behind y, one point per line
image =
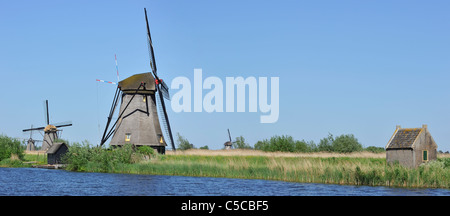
x: 146, y: 150
x: 205, y: 147
x: 183, y: 143
x: 12, y: 163
x: 375, y: 149
x: 9, y: 146
x: 241, y: 144
x: 285, y: 143
x: 346, y: 143
x: 83, y: 157
x: 326, y: 143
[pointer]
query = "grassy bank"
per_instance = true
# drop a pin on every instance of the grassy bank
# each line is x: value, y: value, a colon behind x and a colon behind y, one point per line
x: 350, y: 169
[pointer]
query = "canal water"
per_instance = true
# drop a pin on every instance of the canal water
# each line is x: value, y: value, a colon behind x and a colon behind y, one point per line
x: 45, y: 182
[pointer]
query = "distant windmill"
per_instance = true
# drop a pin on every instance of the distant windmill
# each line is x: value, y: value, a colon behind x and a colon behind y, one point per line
x: 138, y: 121
x: 228, y: 144
x: 31, y: 142
x: 50, y: 131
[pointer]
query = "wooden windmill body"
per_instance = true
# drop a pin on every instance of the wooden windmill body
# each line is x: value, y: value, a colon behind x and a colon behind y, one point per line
x: 138, y: 121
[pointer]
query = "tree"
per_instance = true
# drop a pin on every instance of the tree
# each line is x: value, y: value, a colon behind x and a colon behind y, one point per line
x: 326, y: 144
x: 346, y: 143
x: 204, y: 147
x: 183, y: 143
x: 241, y: 144
x: 9, y: 146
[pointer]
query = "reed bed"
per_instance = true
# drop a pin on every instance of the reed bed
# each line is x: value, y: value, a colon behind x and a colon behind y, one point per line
x: 358, y: 168
x: 251, y: 152
x: 348, y: 170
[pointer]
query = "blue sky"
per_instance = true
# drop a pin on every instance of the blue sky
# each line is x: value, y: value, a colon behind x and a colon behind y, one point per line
x: 359, y: 67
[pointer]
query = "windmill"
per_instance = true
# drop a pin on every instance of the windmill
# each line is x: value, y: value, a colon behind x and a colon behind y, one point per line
x: 31, y: 142
x: 138, y: 121
x: 50, y: 131
x: 228, y: 144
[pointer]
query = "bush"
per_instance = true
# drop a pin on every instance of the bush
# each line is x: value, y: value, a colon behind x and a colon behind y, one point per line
x: 146, y: 150
x: 276, y: 143
x: 346, y: 144
x: 205, y: 147
x: 241, y: 144
x: 9, y: 146
x: 375, y: 149
x: 82, y: 156
x: 342, y: 144
x: 326, y: 144
x: 183, y: 143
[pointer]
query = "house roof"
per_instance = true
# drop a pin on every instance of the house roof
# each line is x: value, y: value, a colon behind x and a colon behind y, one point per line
x: 54, y: 148
x: 404, y: 138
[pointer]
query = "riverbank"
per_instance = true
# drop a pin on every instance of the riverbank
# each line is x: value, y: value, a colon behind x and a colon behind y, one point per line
x: 361, y: 168
x: 358, y: 168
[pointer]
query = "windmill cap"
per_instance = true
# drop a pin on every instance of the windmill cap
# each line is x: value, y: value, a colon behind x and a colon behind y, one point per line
x: 132, y: 83
x: 49, y: 128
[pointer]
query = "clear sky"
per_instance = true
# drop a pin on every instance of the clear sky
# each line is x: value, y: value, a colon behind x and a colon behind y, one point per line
x: 359, y: 67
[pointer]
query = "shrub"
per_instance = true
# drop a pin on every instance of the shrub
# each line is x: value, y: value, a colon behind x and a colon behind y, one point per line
x: 326, y: 144
x: 81, y: 156
x: 346, y: 144
x: 375, y: 149
x: 146, y: 150
x: 183, y: 143
x: 276, y: 143
x: 9, y: 146
x: 241, y: 144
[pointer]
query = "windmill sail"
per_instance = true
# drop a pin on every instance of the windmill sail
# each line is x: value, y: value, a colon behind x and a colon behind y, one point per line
x: 158, y: 89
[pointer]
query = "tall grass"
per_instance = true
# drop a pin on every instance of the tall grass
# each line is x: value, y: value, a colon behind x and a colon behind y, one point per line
x: 335, y: 170
x: 349, y: 169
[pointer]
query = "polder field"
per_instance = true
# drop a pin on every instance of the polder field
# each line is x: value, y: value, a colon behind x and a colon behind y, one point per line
x: 358, y: 168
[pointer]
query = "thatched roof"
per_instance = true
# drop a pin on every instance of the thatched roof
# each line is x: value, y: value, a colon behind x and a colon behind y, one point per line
x: 132, y: 83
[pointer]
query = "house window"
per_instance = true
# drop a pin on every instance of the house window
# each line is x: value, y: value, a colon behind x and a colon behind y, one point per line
x: 425, y: 155
x: 127, y: 137
x: 144, y: 98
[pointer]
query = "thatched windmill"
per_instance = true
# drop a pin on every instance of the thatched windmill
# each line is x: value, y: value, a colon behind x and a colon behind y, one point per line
x: 138, y: 120
x: 50, y: 131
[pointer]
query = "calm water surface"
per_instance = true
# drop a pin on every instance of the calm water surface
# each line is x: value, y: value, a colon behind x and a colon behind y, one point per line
x: 44, y: 182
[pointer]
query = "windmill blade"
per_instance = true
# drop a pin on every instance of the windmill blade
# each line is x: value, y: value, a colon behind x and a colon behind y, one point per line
x: 31, y: 132
x: 150, y: 48
x: 31, y: 129
x: 104, y: 81
x: 158, y: 89
x: 46, y: 115
x: 117, y: 67
x: 229, y: 135
x: 63, y: 124
x: 165, y: 118
x: 164, y: 89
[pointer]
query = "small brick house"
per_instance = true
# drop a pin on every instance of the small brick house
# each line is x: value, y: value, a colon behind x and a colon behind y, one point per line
x: 411, y: 147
